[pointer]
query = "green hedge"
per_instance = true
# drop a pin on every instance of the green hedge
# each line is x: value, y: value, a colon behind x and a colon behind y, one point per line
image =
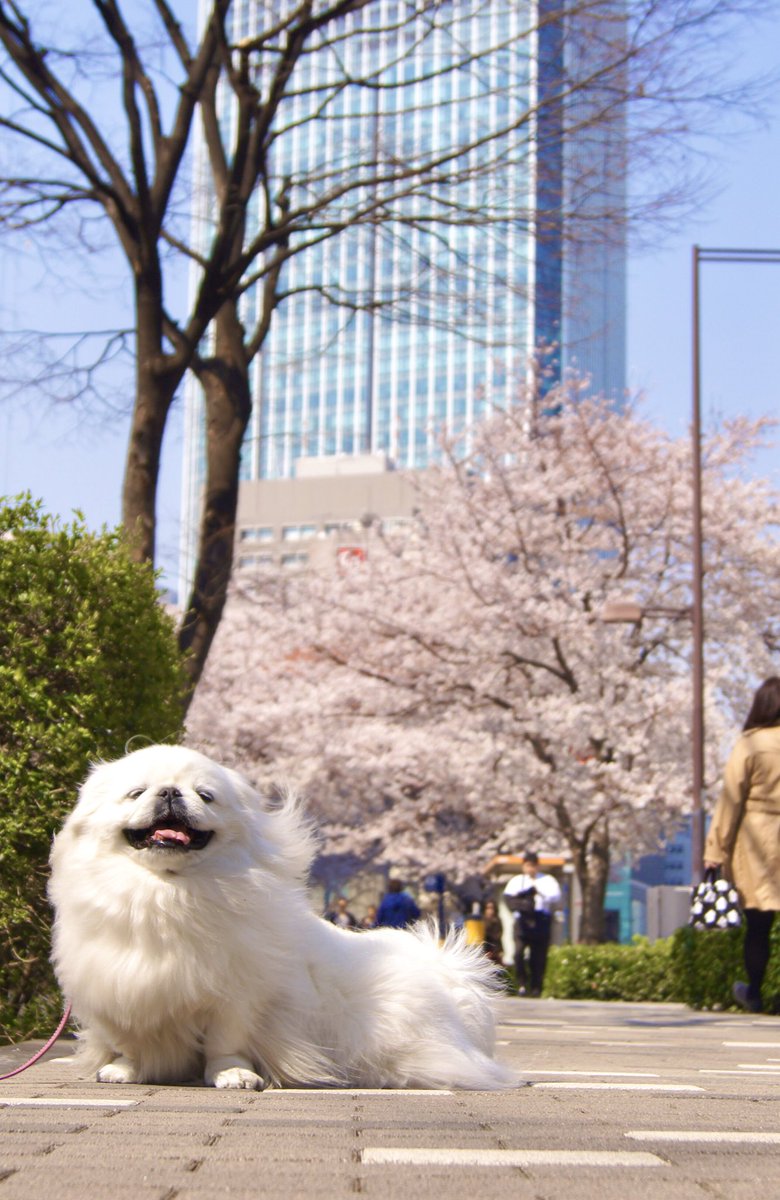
x: 640, y: 971
x: 88, y: 661
x: 705, y: 965
x: 692, y: 967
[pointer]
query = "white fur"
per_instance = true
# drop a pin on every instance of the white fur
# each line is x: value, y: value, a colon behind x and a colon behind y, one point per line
x: 210, y: 963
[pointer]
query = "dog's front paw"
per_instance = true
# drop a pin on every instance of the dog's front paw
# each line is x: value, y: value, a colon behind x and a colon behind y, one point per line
x: 119, y: 1071
x: 238, y: 1077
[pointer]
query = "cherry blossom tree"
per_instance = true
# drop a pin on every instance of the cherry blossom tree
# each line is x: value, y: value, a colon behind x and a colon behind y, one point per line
x: 458, y: 692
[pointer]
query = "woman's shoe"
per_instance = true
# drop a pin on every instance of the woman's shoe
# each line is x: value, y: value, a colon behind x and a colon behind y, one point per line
x: 740, y: 994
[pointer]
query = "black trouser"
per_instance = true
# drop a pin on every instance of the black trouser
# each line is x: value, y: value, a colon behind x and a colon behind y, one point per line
x: 535, y: 940
x: 758, y: 926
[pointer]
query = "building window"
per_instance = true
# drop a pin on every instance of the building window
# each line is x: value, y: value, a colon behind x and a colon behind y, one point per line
x: 256, y: 560
x: 393, y: 524
x: 262, y: 534
x: 332, y: 527
x: 295, y: 533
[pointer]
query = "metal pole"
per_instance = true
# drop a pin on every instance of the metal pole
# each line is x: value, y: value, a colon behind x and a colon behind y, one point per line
x: 704, y: 254
x: 697, y: 666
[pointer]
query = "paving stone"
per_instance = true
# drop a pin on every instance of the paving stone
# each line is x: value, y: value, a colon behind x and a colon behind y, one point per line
x: 175, y: 1143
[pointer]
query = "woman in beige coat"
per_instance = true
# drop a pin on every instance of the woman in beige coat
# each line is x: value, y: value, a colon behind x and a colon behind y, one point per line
x: 744, y: 837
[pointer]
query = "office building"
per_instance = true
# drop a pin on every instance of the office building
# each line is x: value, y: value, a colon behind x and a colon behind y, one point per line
x: 392, y: 331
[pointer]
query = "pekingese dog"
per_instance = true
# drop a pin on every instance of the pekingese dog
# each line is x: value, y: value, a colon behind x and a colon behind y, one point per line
x: 185, y: 940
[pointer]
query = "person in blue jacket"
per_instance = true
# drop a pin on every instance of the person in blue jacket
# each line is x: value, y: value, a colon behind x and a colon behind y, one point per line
x: 397, y: 908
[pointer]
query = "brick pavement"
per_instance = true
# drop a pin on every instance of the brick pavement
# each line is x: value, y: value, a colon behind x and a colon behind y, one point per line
x: 626, y: 1101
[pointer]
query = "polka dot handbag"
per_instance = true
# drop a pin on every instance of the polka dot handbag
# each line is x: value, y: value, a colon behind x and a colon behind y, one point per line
x: 714, y: 904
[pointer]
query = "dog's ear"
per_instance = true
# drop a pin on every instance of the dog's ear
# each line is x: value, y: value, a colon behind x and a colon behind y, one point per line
x: 296, y: 832
x: 285, y: 824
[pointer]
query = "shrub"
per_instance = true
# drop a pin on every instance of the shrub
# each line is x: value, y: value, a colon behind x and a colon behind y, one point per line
x: 640, y: 971
x: 694, y: 966
x: 88, y: 660
x: 705, y: 964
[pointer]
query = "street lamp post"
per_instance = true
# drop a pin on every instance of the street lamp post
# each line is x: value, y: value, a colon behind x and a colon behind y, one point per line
x: 702, y: 254
x: 697, y: 600
x: 631, y: 611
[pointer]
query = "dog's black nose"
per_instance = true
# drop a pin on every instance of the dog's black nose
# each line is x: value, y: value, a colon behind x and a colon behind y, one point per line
x: 169, y: 794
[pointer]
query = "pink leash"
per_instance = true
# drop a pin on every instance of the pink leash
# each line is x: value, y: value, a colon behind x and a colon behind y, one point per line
x: 31, y: 1061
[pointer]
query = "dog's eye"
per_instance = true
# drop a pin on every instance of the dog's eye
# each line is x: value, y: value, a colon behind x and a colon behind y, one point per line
x: 206, y: 795
x: 134, y: 793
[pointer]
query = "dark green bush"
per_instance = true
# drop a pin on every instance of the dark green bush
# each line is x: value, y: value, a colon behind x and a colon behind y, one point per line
x: 705, y: 964
x: 640, y: 971
x: 692, y: 967
x: 88, y: 660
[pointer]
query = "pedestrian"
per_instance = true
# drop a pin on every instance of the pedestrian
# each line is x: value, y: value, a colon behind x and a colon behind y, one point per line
x: 397, y: 908
x: 493, y: 943
x: 531, y: 896
x: 743, y: 841
x: 369, y: 920
x: 341, y: 916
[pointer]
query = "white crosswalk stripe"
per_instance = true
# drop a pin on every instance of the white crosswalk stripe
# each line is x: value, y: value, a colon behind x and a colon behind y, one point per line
x: 586, y: 1085
x: 64, y: 1102
x: 750, y: 1137
x: 419, y: 1156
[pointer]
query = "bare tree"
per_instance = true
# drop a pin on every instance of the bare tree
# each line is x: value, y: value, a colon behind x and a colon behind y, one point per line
x: 104, y: 104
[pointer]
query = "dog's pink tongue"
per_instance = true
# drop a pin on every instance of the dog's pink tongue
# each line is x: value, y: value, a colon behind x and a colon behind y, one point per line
x: 171, y: 835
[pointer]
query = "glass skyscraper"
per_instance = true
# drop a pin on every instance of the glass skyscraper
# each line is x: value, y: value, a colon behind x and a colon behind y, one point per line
x: 429, y: 303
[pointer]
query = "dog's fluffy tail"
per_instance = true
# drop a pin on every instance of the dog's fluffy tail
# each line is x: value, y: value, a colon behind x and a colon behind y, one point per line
x: 460, y: 1052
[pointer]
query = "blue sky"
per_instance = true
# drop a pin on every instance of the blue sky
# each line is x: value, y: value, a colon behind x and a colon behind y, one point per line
x: 71, y: 462
x: 740, y: 304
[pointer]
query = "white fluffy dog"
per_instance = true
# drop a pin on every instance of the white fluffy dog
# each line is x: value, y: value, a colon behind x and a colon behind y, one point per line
x: 185, y: 941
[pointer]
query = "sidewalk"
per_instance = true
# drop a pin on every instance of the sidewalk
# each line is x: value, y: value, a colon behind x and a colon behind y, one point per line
x: 626, y: 1102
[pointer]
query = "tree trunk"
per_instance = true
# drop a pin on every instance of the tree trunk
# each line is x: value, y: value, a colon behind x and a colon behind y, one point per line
x: 155, y: 388
x: 591, y: 865
x: 224, y: 377
x: 142, y: 470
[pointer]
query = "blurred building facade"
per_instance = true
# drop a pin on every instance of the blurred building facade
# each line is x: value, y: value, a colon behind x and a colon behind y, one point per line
x: 650, y: 894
